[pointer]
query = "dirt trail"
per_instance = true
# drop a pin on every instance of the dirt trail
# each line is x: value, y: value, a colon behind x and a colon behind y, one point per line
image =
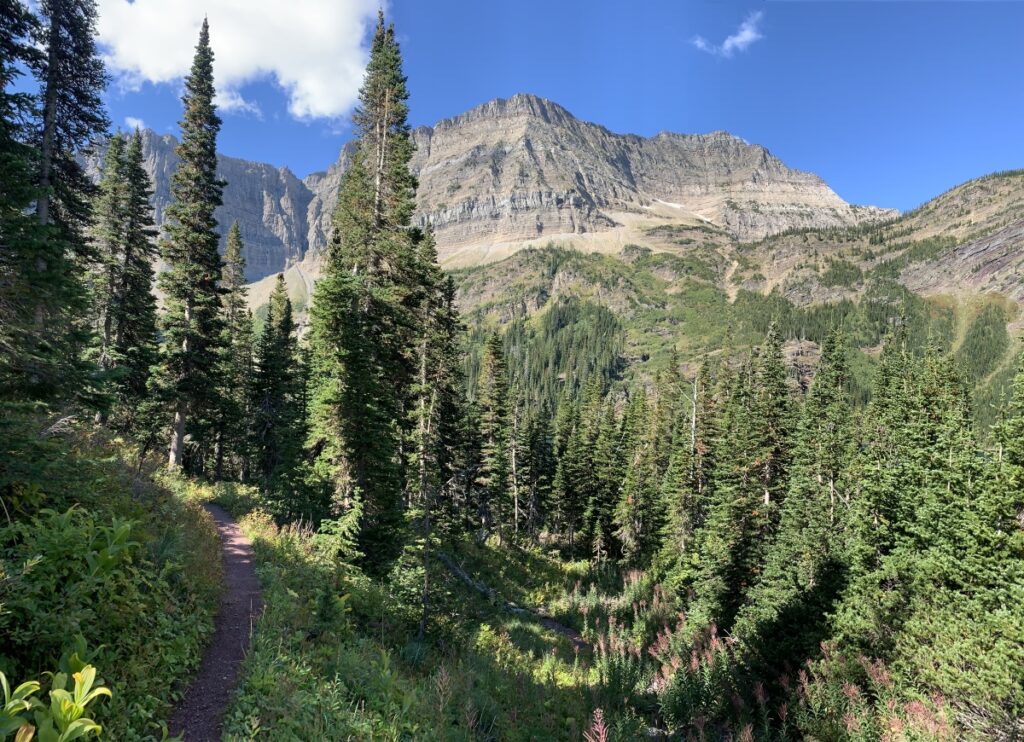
x: 567, y: 631
x: 199, y: 716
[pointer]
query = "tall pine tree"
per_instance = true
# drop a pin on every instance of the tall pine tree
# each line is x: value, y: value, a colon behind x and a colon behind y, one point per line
x: 235, y: 365
x: 72, y: 79
x: 492, y: 404
x: 805, y: 566
x: 124, y: 305
x: 364, y: 318
x: 192, y: 315
x: 275, y: 405
x: 22, y: 239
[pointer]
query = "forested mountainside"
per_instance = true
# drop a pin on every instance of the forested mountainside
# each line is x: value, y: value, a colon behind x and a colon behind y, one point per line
x: 757, y: 472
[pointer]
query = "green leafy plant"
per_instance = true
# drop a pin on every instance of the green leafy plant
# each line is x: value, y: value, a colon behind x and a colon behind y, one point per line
x: 63, y: 720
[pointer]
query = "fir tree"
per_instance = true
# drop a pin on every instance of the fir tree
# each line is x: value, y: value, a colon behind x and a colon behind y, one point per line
x: 492, y: 403
x: 192, y: 322
x: 604, y: 477
x: 235, y: 365
x: 109, y: 217
x: 22, y: 240
x: 72, y: 80
x: 638, y: 515
x: 750, y: 479
x: 805, y: 565
x: 276, y: 432
x: 572, y: 471
x: 538, y: 467
x: 686, y: 489
x: 124, y: 305
x: 365, y: 311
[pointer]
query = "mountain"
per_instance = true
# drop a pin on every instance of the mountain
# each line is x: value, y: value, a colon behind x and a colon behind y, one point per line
x: 269, y: 203
x: 524, y: 170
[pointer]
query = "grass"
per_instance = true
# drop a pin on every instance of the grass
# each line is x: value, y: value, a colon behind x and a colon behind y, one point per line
x: 335, y: 655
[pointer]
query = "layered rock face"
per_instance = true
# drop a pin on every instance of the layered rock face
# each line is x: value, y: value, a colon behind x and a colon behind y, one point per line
x: 269, y: 203
x: 524, y: 169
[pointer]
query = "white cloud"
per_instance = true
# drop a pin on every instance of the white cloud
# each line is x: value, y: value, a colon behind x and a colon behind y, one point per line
x: 133, y: 123
x: 745, y: 35
x: 313, y: 49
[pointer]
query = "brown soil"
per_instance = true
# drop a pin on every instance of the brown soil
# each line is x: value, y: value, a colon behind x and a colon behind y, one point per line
x: 200, y: 715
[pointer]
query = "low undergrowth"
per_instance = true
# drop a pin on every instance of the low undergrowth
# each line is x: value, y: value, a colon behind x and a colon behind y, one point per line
x: 336, y: 653
x: 99, y: 558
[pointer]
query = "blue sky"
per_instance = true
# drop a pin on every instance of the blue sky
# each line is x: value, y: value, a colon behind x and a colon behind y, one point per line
x: 890, y: 102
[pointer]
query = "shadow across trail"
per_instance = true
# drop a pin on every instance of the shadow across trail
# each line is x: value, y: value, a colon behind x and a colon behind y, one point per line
x: 199, y: 717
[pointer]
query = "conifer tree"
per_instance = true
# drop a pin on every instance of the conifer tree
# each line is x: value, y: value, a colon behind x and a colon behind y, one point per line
x: 451, y: 438
x: 235, y: 362
x: 572, y: 471
x: 538, y: 467
x: 274, y: 404
x: 364, y: 314
x: 109, y: 217
x: 134, y: 311
x: 805, y: 565
x: 124, y: 305
x: 686, y: 489
x: 604, y: 476
x: 72, y: 79
x: 192, y: 322
x: 750, y: 479
x: 638, y: 515
x: 492, y: 403
x: 22, y: 239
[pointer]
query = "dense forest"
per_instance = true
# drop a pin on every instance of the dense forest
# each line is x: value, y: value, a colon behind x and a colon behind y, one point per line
x: 465, y: 529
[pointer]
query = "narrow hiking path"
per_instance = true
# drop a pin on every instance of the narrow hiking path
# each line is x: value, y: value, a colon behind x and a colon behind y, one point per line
x: 200, y: 715
x: 490, y: 593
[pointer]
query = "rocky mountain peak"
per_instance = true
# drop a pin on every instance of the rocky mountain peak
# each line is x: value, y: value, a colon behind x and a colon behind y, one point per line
x: 523, y: 169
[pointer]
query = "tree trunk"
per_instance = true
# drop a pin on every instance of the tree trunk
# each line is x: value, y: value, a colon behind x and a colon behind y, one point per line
x: 49, y: 118
x: 177, y: 437
x: 174, y: 456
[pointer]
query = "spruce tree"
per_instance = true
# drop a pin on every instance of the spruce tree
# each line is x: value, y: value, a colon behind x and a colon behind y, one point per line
x: 72, y: 79
x: 638, y: 517
x: 439, y: 417
x: 492, y: 403
x: 538, y: 467
x: 22, y: 240
x: 365, y: 314
x: 235, y: 364
x: 603, y: 478
x: 191, y: 321
x: 572, y: 471
x: 686, y: 489
x: 274, y: 405
x: 134, y: 311
x: 805, y: 566
x: 750, y: 479
x: 451, y: 438
x: 123, y: 301
x: 109, y: 217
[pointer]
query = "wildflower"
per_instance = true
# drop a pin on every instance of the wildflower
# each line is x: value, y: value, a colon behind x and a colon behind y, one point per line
x: 598, y: 731
x: 759, y: 693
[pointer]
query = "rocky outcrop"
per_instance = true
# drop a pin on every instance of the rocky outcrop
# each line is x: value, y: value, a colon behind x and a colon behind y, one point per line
x: 269, y: 203
x: 524, y: 168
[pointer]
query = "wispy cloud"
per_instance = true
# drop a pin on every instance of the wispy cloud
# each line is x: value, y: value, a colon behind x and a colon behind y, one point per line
x: 748, y: 32
x: 134, y: 123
